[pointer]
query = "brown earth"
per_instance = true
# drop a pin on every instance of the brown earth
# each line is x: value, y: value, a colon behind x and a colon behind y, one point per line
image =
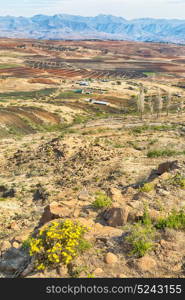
x: 58, y: 151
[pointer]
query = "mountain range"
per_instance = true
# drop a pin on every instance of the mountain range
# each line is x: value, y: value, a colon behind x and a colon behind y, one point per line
x: 63, y: 26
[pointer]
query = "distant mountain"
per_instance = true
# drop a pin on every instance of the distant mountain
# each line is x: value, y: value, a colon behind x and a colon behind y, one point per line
x: 65, y: 26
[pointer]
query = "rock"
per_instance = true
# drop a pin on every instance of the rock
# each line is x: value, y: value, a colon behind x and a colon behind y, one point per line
x: 162, y: 192
x: 141, y: 196
x: 135, y: 215
x: 16, y: 245
x: 98, y: 271
x: 154, y: 214
x: 76, y: 213
x: 5, y: 245
x: 168, y: 245
x: 116, y: 216
x: 100, y: 231
x: 111, y: 258
x: 14, y: 226
x: 116, y: 195
x: 40, y: 196
x: 164, y: 176
x: 29, y: 268
x: 23, y: 236
x: 84, y: 195
x: 6, y: 192
x: 62, y: 270
x: 13, y: 260
x: 146, y: 263
x: 177, y: 268
x: 167, y: 166
x: 54, y: 211
x: 121, y: 276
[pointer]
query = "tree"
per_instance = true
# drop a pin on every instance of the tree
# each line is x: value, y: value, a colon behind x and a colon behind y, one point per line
x: 168, y: 103
x: 151, y: 105
x: 159, y: 103
x: 141, y: 102
x: 180, y: 107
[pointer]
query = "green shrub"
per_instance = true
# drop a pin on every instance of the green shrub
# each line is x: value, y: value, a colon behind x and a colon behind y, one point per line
x: 84, y: 245
x: 146, y: 219
x: 102, y: 200
x: 141, y: 238
x: 161, y: 153
x: 175, y: 220
x: 147, y: 187
x: 178, y: 181
x: 26, y: 244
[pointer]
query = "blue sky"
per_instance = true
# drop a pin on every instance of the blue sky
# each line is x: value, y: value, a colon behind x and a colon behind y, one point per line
x: 128, y: 9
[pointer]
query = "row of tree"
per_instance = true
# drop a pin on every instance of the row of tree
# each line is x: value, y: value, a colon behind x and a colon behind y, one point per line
x: 156, y: 104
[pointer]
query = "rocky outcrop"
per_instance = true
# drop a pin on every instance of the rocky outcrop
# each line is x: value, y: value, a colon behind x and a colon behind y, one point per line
x: 54, y: 211
x: 116, y: 216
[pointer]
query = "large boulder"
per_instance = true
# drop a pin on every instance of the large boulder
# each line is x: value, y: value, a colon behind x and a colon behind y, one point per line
x: 54, y: 211
x: 116, y: 216
x: 13, y: 261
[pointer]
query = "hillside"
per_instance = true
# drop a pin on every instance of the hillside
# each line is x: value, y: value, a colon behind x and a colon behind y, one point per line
x: 65, y: 26
x: 89, y: 186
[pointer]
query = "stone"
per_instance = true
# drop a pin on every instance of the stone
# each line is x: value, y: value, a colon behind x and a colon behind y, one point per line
x: 111, y: 258
x: 121, y: 276
x: 116, y: 195
x: 76, y: 213
x: 62, y: 270
x: 14, y: 226
x: 13, y: 260
x: 168, y: 245
x: 6, y: 192
x: 98, y: 271
x: 167, y: 166
x: 146, y: 263
x: 29, y: 269
x: 16, y: 245
x: 5, y: 245
x: 84, y: 195
x: 116, y: 216
x: 54, y: 211
x: 23, y: 236
x: 177, y: 268
x: 162, y: 192
x: 164, y: 176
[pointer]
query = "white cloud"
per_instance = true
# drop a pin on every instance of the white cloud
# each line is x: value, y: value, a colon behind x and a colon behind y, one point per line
x: 128, y: 9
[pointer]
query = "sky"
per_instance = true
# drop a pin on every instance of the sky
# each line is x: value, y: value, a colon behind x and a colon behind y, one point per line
x: 128, y: 9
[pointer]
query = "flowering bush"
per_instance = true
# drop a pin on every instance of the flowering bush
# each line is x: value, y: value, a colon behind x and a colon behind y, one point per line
x: 59, y: 242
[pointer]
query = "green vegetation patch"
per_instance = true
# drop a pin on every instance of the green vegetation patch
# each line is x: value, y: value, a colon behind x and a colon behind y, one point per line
x: 163, y: 153
x: 102, y: 201
x: 178, y: 180
x: 140, y: 129
x: 141, y: 239
x: 28, y: 95
x: 147, y: 187
x: 7, y: 66
x: 175, y: 220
